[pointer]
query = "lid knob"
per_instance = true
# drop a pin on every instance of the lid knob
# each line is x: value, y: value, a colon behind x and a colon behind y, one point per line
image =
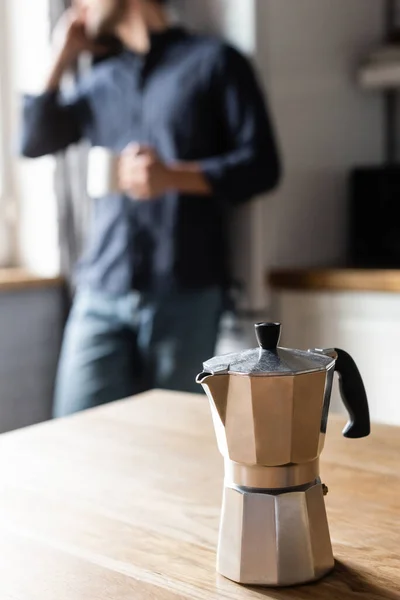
x: 268, y: 335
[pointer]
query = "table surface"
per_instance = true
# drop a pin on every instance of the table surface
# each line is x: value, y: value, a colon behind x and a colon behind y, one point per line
x: 123, y: 502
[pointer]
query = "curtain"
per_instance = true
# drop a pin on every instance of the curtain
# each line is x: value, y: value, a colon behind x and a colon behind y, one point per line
x: 70, y: 186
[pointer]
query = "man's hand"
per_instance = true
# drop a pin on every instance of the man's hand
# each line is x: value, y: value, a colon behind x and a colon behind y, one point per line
x: 70, y: 40
x: 142, y: 174
x: 70, y: 37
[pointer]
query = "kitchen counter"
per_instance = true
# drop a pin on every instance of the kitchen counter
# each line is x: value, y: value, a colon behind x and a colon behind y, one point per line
x: 123, y: 502
x: 336, y: 280
x: 21, y: 279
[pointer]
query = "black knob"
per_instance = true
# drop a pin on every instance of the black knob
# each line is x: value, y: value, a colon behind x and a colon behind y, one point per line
x: 268, y: 335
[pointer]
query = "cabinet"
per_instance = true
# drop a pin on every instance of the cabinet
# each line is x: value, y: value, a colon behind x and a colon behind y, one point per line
x: 365, y: 323
x: 31, y: 320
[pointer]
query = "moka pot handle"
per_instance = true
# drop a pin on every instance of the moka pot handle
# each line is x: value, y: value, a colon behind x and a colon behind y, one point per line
x: 353, y: 393
x: 354, y: 396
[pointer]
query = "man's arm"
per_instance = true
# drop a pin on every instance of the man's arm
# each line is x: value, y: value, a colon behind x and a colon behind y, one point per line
x: 48, y: 124
x: 188, y: 178
x: 251, y: 166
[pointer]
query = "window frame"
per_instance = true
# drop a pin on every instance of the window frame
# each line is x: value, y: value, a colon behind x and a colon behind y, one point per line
x: 7, y: 221
x: 5, y: 173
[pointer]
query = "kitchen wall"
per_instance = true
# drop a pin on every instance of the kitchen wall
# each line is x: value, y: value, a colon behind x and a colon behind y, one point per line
x: 307, y: 53
x: 235, y: 19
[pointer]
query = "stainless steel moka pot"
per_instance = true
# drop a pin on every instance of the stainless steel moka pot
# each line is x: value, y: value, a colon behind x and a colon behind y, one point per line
x: 270, y: 409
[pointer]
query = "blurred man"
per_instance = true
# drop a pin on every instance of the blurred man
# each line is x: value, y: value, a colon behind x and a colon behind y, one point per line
x: 187, y: 117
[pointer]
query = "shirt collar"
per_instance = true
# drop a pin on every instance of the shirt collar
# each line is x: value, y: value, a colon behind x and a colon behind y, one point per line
x: 159, y: 40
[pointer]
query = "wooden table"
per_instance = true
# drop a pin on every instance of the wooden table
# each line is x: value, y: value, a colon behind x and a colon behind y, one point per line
x: 123, y: 502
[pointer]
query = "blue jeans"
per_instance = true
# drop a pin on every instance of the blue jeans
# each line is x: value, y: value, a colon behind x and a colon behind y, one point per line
x: 115, y: 347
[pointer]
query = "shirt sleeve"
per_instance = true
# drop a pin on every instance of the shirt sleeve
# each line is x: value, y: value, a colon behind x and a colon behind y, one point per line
x: 251, y: 165
x: 50, y: 123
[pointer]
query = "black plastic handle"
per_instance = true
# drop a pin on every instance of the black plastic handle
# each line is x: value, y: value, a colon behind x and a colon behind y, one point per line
x: 353, y: 395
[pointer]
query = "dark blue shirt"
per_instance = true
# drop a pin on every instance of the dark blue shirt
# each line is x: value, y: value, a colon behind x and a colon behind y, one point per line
x: 192, y: 98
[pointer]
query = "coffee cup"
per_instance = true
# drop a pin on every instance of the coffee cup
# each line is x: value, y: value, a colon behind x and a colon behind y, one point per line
x: 102, y: 179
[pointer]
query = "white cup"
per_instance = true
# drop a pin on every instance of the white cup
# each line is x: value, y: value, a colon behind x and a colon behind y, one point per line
x: 102, y: 178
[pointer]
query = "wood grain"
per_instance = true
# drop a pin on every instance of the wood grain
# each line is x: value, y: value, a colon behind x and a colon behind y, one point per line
x: 20, y: 279
x: 351, y: 280
x: 123, y: 502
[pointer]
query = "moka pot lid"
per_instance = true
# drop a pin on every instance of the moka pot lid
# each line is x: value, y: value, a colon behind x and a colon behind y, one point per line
x: 269, y: 359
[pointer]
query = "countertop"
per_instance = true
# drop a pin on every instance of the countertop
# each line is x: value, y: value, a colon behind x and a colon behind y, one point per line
x: 21, y: 279
x: 336, y: 280
x: 123, y: 502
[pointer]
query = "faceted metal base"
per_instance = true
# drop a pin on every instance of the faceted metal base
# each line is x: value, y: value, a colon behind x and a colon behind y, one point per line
x: 274, y: 539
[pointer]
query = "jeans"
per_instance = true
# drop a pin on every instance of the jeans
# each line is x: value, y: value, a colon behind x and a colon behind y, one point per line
x: 115, y: 347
